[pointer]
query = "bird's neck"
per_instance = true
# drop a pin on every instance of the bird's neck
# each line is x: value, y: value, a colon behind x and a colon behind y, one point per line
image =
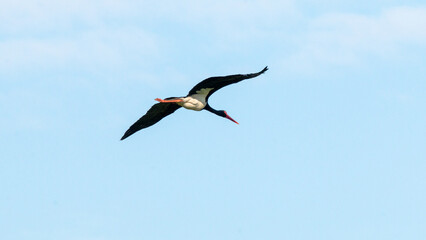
x: 210, y: 109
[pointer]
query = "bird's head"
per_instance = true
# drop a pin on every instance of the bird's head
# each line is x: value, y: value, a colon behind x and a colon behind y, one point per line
x: 223, y: 113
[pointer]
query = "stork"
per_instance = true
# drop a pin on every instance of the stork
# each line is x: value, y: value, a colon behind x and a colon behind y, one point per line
x: 197, y: 100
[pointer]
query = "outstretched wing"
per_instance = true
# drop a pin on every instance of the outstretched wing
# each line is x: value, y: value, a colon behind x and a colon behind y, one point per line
x: 216, y: 83
x: 155, y: 114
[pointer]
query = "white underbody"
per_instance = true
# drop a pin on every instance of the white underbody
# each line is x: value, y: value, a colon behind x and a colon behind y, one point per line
x: 196, y: 101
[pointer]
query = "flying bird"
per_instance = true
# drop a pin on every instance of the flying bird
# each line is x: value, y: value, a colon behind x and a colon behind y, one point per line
x: 197, y: 99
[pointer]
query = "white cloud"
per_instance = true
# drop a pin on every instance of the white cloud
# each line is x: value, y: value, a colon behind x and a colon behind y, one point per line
x: 390, y: 27
x: 242, y: 24
x: 136, y: 40
x: 347, y: 39
x: 49, y: 14
x: 108, y: 35
x: 34, y: 16
x: 79, y: 35
x: 98, y: 46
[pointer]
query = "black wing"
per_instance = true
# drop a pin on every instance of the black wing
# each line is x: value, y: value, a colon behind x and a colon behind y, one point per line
x: 155, y: 114
x: 219, y: 82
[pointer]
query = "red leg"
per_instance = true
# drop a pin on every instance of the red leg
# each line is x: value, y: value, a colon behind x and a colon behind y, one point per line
x: 168, y: 101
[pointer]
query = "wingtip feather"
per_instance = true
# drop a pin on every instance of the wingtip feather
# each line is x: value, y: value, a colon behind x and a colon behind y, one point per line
x: 126, y: 135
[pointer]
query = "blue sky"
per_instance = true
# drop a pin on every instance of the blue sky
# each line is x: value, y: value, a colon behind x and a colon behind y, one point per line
x: 331, y: 141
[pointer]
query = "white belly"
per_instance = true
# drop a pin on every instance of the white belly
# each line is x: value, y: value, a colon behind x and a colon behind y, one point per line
x: 196, y: 101
x: 193, y: 102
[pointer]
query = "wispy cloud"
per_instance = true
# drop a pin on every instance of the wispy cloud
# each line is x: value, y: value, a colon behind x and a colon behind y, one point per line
x: 33, y: 17
x: 87, y: 36
x: 128, y: 40
x: 108, y: 35
x: 107, y: 48
x: 347, y: 39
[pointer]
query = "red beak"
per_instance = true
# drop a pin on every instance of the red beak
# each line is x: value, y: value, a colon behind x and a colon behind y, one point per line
x: 228, y: 117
